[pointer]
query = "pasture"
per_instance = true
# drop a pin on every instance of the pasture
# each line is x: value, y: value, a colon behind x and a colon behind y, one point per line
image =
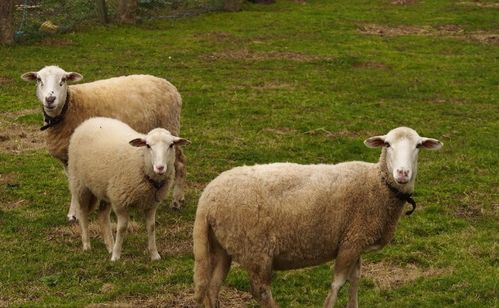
x: 297, y: 81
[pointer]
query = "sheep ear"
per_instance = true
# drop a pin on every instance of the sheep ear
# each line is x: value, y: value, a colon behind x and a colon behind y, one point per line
x: 138, y: 142
x: 430, y: 143
x: 181, y: 141
x: 29, y: 76
x: 375, y: 142
x: 73, y: 76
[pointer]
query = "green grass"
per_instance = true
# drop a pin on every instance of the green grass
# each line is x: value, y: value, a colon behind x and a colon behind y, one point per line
x: 284, y: 82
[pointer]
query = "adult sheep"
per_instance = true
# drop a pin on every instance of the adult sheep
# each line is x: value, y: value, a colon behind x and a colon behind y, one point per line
x: 142, y: 101
x: 284, y: 216
x: 110, y: 161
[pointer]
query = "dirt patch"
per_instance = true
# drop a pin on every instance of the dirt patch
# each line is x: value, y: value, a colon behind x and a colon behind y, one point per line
x: 485, y: 38
x: 249, y: 55
x: 52, y: 41
x: 72, y: 232
x: 470, y: 205
x: 228, y: 297
x: 16, y: 138
x: 388, y: 276
x: 174, y: 239
x: 5, y: 80
x: 488, y: 5
x: 403, y: 2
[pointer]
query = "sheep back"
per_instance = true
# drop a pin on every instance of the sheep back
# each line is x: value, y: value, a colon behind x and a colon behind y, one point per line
x: 142, y: 101
x: 297, y: 214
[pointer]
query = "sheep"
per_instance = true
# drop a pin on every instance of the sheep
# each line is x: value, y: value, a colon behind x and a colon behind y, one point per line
x: 285, y: 216
x: 142, y: 101
x: 111, y: 162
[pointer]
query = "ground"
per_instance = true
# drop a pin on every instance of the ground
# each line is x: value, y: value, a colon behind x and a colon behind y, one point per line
x: 298, y: 81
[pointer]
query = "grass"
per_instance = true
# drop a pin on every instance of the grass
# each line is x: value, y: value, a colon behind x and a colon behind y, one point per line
x: 296, y: 82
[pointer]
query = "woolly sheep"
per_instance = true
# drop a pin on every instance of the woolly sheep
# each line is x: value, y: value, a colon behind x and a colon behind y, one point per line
x: 285, y: 216
x: 111, y: 162
x: 142, y: 101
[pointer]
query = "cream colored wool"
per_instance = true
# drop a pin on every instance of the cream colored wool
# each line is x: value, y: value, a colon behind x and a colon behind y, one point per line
x: 104, y: 166
x: 284, y: 216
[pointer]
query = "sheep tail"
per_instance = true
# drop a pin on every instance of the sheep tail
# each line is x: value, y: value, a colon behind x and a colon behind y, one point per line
x: 202, y: 258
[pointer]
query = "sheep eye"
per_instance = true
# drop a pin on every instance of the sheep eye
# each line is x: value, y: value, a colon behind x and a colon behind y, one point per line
x: 171, y: 145
x: 39, y: 80
x: 148, y: 146
x: 63, y: 80
x: 418, y: 145
x: 387, y: 144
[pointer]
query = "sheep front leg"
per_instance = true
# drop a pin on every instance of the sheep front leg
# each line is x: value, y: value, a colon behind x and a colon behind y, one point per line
x: 150, y: 215
x: 180, y: 174
x: 122, y: 225
x: 73, y: 207
x: 83, y: 200
x: 344, y: 264
x: 354, y: 278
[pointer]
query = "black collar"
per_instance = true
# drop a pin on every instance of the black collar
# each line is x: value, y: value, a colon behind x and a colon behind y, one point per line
x: 156, y: 184
x: 52, y: 121
x: 406, y: 197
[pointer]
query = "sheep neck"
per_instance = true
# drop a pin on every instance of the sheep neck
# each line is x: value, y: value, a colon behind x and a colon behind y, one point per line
x: 52, y: 121
x: 392, y: 186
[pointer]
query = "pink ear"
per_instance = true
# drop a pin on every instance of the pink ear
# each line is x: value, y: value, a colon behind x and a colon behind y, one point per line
x: 181, y: 141
x: 72, y: 76
x: 30, y: 76
x: 375, y: 142
x: 138, y: 142
x: 430, y: 143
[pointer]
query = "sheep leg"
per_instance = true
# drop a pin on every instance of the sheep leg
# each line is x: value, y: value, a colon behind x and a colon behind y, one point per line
x: 345, y: 260
x: 73, y: 207
x: 180, y: 174
x: 83, y: 202
x: 105, y: 225
x: 261, y: 276
x: 150, y: 215
x: 354, y: 278
x: 221, y: 264
x: 122, y: 225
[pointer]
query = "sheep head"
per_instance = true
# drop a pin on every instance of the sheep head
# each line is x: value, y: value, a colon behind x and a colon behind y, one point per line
x: 52, y: 87
x: 401, y: 148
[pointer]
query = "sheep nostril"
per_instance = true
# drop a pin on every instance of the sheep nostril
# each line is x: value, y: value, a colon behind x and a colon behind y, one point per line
x: 50, y: 99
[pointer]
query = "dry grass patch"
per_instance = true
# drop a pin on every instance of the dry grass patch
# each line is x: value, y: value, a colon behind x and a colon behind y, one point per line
x: 280, y: 131
x: 403, y: 2
x: 249, y: 55
x: 371, y: 65
x: 175, y: 239
x: 339, y: 134
x: 485, y: 38
x: 16, y: 138
x: 5, y: 80
x: 52, y: 41
x: 477, y: 3
x: 218, y: 37
x: 71, y: 232
x: 388, y: 276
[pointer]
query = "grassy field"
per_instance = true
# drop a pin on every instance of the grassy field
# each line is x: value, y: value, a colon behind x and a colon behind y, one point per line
x: 299, y: 82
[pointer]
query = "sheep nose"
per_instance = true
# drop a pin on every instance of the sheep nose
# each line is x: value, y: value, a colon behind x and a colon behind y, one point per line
x: 403, y: 175
x: 160, y: 169
x: 50, y: 99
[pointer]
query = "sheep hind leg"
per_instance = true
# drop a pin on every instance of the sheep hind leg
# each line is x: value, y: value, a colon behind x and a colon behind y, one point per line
x: 84, y: 201
x: 122, y: 225
x: 260, y: 285
x: 105, y: 225
x: 221, y: 264
x: 345, y: 261
x: 150, y: 215
x: 180, y: 174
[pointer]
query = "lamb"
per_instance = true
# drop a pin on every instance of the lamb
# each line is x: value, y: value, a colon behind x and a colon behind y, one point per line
x: 111, y: 162
x: 285, y: 216
x: 142, y: 101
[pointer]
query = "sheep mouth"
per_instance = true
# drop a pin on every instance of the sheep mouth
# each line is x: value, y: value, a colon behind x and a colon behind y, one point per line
x: 50, y: 107
x: 402, y: 181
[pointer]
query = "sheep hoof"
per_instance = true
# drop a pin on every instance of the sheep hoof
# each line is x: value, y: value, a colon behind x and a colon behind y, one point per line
x: 177, y: 204
x: 114, y: 258
x: 155, y: 257
x: 72, y: 219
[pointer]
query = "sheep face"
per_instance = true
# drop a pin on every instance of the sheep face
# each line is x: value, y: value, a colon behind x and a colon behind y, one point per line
x: 52, y: 87
x: 160, y: 148
x: 402, y: 146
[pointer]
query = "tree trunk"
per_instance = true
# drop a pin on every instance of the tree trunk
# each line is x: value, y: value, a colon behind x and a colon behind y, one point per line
x: 127, y: 11
x: 6, y: 21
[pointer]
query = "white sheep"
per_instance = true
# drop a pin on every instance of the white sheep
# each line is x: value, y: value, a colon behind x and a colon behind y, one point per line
x: 142, y: 101
x: 111, y: 162
x: 284, y: 216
